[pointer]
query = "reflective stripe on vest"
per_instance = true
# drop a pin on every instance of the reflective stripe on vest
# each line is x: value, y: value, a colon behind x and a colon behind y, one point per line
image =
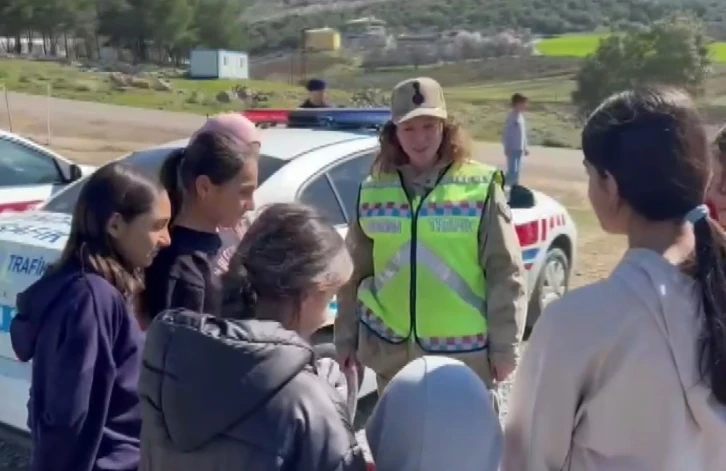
x: 440, y: 297
x: 445, y: 180
x: 423, y: 255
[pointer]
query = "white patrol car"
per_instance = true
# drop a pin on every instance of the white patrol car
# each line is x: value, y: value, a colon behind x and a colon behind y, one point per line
x: 300, y: 162
x: 30, y: 173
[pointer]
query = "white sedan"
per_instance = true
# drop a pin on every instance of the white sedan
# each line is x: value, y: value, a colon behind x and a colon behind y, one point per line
x: 30, y: 173
x: 320, y: 167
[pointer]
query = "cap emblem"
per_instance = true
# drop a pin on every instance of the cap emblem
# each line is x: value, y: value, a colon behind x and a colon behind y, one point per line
x: 418, y: 97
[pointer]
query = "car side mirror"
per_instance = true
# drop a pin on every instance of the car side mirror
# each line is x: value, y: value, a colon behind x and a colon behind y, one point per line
x: 75, y: 173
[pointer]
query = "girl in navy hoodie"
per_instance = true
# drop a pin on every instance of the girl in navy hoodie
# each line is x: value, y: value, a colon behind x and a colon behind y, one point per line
x: 77, y: 324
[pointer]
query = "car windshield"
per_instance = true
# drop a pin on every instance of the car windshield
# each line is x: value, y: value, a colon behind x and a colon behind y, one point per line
x: 149, y: 162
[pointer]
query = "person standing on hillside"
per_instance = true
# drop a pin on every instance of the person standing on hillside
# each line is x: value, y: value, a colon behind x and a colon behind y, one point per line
x: 316, y: 95
x: 514, y: 138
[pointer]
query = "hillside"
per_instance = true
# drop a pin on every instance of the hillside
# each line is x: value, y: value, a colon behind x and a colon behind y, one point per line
x: 276, y: 24
x: 276, y: 9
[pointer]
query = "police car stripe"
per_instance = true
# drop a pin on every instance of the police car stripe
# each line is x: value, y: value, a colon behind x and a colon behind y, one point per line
x: 18, y: 206
x: 529, y: 256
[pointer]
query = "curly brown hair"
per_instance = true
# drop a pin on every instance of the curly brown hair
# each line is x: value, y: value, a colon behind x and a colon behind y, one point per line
x: 719, y: 146
x: 718, y: 150
x: 455, y: 146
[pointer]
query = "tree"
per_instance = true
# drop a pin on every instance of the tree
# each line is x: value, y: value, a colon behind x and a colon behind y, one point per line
x: 673, y: 51
x: 170, y: 26
x: 15, y: 18
x: 218, y: 24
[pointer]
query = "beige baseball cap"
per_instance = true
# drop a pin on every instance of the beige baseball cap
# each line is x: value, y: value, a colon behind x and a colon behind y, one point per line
x: 422, y: 96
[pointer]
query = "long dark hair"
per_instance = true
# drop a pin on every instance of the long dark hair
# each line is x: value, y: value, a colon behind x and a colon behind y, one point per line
x: 719, y: 147
x: 112, y: 189
x: 289, y: 249
x: 654, y: 144
x: 213, y: 154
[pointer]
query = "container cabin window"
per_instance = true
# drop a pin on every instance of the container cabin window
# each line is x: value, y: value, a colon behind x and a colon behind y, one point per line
x: 225, y: 60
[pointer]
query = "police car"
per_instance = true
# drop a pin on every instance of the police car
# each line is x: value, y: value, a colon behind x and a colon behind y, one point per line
x: 30, y: 173
x: 319, y: 157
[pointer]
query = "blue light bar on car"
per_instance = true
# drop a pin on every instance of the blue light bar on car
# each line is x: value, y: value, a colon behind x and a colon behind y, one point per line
x: 322, y: 118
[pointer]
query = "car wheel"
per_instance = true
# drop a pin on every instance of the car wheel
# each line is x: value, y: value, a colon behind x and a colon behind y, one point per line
x: 552, y: 283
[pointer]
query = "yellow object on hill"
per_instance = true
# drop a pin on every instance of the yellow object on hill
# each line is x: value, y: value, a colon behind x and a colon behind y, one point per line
x: 322, y: 39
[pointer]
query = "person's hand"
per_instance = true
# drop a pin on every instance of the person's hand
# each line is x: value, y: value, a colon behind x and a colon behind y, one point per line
x: 347, y: 358
x: 330, y: 371
x: 502, y: 370
x: 526, y: 152
x: 344, y: 380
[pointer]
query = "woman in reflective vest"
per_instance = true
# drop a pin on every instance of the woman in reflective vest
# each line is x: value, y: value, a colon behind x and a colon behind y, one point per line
x: 438, y: 266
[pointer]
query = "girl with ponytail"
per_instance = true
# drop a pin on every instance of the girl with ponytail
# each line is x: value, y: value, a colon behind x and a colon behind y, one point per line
x: 630, y: 372
x: 211, y: 184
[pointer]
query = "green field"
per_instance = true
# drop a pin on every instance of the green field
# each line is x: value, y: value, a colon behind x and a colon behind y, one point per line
x: 580, y: 45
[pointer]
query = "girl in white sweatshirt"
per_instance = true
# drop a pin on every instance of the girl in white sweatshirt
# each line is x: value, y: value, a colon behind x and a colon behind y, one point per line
x: 629, y: 373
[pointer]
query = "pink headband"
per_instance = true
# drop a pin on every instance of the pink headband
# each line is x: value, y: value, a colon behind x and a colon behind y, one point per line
x: 233, y: 124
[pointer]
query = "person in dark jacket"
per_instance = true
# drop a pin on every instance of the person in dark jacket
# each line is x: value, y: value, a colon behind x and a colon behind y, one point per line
x: 316, y: 95
x: 243, y: 391
x: 78, y: 326
x: 211, y: 183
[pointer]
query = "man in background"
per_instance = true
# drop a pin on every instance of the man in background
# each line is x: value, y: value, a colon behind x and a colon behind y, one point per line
x: 514, y: 138
x: 316, y: 95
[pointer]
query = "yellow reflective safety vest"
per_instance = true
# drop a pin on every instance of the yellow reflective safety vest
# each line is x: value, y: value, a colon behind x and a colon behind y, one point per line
x: 428, y: 285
